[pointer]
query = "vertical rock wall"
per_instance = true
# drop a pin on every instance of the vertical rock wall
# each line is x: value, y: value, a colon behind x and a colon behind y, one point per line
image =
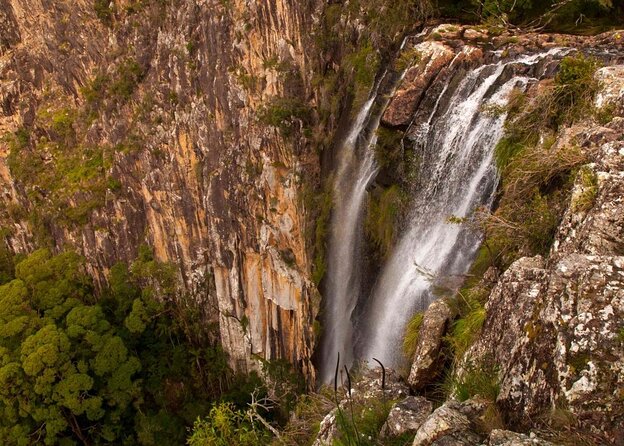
x: 197, y: 176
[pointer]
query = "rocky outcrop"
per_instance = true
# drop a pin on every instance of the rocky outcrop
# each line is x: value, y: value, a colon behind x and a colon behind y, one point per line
x: 446, y: 51
x: 554, y: 326
x: 190, y: 169
x: 428, y: 361
x: 433, y: 57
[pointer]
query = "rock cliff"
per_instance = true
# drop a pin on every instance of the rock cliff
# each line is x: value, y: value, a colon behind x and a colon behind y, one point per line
x: 184, y: 125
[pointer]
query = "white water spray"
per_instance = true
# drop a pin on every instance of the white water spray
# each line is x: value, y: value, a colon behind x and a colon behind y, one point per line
x: 356, y: 169
x: 458, y: 175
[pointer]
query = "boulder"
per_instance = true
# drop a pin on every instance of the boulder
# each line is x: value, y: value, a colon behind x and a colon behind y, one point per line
x: 406, y: 416
x: 427, y: 358
x: 499, y: 437
x: 612, y: 80
x: 453, y: 423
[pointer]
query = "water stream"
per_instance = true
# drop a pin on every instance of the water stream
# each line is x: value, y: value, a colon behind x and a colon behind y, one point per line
x: 356, y: 169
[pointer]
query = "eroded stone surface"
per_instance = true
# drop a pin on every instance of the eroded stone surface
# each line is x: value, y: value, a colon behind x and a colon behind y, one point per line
x: 453, y: 423
x: 427, y: 361
x: 406, y: 416
x: 500, y: 437
x: 554, y: 326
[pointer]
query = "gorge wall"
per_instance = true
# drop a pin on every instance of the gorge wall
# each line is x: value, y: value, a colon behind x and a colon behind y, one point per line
x: 130, y: 123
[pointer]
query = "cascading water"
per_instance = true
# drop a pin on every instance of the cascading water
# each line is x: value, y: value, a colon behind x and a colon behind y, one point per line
x: 356, y: 168
x: 457, y: 172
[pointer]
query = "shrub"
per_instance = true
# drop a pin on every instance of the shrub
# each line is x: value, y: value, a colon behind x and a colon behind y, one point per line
x: 537, y: 175
x: 467, y: 327
x: 226, y: 426
x: 323, y: 202
x: 103, y: 11
x: 389, y: 150
x: 129, y: 74
x: 406, y: 59
x: 536, y: 189
x: 588, y: 190
x: 476, y: 379
x: 364, y: 64
x: 285, y: 113
x: 361, y: 423
x: 305, y: 419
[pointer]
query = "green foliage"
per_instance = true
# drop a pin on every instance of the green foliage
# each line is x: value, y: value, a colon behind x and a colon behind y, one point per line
x: 537, y: 175
x: 63, y: 179
x: 64, y: 368
x: 406, y: 59
x: 7, y: 261
x: 589, y: 189
x: 360, y: 423
x: 469, y: 305
x: 284, y: 385
x: 574, y: 16
x: 95, y: 91
x: 286, y: 114
x: 476, y: 379
x: 568, y: 99
x: 304, y: 423
x: 364, y: 63
x: 227, y: 426
x: 412, y: 333
x: 129, y: 74
x: 104, y: 11
x: 136, y: 366
x: 385, y: 209
x: 389, y: 148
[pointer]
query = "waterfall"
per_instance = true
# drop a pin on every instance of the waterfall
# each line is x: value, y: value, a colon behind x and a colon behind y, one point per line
x: 356, y: 169
x: 457, y: 175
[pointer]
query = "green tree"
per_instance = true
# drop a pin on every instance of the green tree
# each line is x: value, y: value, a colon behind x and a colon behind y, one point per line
x: 66, y: 376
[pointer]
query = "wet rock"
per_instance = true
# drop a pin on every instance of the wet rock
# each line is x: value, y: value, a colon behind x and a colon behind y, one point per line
x: 499, y: 437
x: 427, y: 358
x: 434, y: 56
x: 406, y: 416
x: 453, y: 423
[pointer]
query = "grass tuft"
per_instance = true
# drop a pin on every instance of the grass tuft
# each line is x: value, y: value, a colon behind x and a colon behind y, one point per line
x: 412, y: 333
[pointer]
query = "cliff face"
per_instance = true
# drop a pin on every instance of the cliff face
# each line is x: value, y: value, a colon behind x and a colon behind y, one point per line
x: 139, y: 122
